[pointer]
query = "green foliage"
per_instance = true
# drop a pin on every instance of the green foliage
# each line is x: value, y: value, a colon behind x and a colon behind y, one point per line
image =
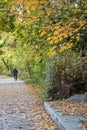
x: 6, y: 17
x: 40, y: 39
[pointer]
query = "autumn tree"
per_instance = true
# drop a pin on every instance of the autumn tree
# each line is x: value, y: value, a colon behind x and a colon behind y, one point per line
x: 40, y: 35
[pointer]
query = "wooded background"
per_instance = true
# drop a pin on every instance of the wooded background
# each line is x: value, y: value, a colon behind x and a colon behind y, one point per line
x: 47, y: 42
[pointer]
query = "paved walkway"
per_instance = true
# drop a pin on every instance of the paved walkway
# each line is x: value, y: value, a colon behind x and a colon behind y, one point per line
x: 14, y: 105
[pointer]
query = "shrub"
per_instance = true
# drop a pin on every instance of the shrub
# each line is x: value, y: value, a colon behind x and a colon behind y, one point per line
x: 68, y: 75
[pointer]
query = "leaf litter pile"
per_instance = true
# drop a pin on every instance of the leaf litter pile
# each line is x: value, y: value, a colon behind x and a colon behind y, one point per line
x: 39, y: 116
x: 73, y: 108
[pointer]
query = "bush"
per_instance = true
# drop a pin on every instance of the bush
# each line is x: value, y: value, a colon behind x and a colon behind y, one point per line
x: 68, y: 75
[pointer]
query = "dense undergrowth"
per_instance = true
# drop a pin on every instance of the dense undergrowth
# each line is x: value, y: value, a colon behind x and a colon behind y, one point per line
x: 68, y: 75
x: 64, y: 75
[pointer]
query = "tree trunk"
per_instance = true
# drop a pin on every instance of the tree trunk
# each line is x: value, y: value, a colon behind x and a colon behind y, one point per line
x: 29, y: 69
x: 6, y: 64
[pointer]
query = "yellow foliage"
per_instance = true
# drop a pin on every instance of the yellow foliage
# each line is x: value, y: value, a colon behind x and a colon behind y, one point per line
x: 54, y: 38
x: 5, y: 0
x: 49, y: 27
x: 56, y: 32
x: 43, y: 33
x: 48, y: 11
x: 65, y: 46
x: 65, y: 35
x: 49, y: 35
x: 60, y: 38
x: 43, y: 1
x: 49, y: 38
x: 33, y: 7
x: 16, y: 21
x: 52, y: 51
x: 56, y: 26
x: 78, y: 37
x: 60, y: 33
x: 27, y: 4
x: 51, y: 42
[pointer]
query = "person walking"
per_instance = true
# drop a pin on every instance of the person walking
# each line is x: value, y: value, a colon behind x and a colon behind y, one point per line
x: 15, y: 73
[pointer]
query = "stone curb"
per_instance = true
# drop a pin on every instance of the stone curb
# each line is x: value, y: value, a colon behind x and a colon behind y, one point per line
x: 63, y: 120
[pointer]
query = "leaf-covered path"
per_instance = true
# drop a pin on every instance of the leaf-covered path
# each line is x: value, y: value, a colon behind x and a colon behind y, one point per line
x: 20, y: 109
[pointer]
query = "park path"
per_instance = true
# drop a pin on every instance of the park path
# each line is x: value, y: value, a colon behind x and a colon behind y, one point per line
x: 14, y: 105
